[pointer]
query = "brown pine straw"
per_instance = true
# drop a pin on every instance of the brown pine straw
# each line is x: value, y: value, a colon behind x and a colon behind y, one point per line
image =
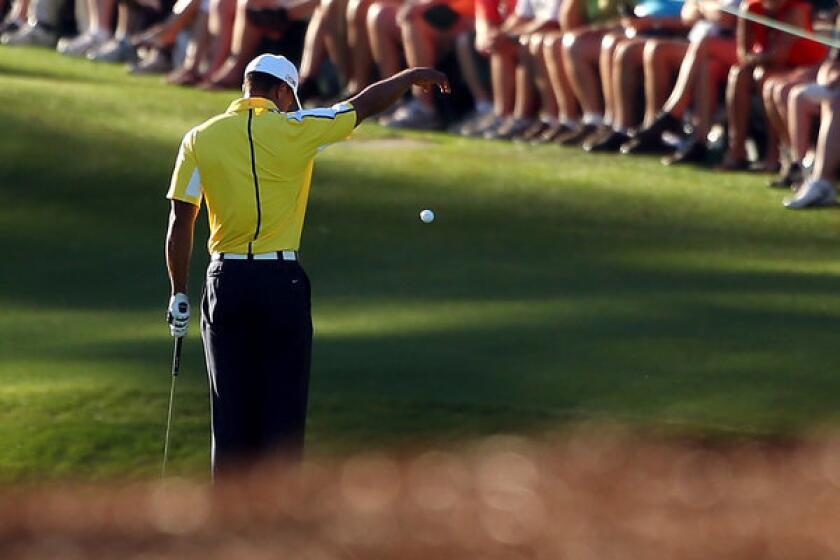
x: 591, y: 495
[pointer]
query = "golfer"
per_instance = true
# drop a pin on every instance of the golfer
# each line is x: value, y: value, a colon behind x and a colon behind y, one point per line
x: 252, y: 167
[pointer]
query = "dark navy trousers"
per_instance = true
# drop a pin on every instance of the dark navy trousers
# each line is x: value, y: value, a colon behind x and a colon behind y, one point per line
x: 256, y: 324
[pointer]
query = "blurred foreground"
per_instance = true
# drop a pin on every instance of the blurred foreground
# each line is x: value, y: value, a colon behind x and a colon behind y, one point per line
x: 590, y: 495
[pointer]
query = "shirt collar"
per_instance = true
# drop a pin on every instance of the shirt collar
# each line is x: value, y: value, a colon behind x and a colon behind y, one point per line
x: 246, y: 103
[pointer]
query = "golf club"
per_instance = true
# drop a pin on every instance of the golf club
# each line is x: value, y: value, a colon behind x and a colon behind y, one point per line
x: 176, y: 367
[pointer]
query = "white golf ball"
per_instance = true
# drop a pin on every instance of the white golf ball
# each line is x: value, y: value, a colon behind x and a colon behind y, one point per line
x: 427, y: 216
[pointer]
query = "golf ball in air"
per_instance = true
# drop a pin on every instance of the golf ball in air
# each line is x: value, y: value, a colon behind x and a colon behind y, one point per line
x: 427, y: 216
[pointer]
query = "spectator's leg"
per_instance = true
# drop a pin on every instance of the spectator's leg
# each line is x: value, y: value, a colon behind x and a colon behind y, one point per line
x: 359, y: 44
x: 627, y: 74
x: 828, y: 142
x: 105, y: 10
x: 245, y: 39
x: 314, y: 53
x: 662, y: 59
x: 526, y: 98
x: 818, y: 189
x: 502, y: 68
x: 385, y: 35
x: 548, y: 102
x: 569, y: 110
x: 420, y: 39
x: 801, y: 112
x: 335, y: 36
x: 738, y: 90
x: 771, y: 92
x: 220, y: 25
x: 197, y: 53
x: 581, y: 51
x: 465, y: 51
x: 605, y: 69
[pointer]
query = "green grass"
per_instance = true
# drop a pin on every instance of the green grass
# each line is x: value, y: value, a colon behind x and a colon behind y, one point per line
x: 555, y: 286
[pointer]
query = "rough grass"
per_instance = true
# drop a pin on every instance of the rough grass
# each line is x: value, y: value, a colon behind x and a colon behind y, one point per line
x: 554, y: 285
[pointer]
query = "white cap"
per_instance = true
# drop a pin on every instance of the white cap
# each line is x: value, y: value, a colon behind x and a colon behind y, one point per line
x: 278, y: 66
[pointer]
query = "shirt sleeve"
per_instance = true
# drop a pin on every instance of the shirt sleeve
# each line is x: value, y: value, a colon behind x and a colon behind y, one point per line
x: 186, y: 178
x: 327, y: 126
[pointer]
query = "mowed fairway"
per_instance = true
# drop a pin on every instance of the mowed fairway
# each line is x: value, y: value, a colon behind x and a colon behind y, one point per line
x: 554, y: 286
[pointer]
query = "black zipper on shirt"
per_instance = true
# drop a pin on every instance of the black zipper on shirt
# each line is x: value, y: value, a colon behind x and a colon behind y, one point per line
x: 256, y: 181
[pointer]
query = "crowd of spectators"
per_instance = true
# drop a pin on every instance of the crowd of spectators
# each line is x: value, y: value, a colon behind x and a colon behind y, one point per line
x: 684, y: 78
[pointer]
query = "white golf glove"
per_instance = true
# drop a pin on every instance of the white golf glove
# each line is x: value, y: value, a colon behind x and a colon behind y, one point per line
x: 178, y: 315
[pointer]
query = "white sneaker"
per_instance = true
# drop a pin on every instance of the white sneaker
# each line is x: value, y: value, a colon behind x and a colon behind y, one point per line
x: 814, y: 192
x: 31, y: 36
x: 113, y: 50
x: 80, y: 45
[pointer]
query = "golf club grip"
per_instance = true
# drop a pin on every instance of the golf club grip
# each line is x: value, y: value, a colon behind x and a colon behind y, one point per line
x: 176, y: 356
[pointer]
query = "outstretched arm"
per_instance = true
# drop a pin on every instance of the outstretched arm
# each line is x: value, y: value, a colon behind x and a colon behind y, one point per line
x: 379, y: 96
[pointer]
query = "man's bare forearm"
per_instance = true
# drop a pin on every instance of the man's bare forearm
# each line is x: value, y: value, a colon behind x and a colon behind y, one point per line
x: 379, y: 96
x: 179, y: 244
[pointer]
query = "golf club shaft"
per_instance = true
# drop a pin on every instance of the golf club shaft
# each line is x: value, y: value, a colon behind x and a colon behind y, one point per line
x: 176, y: 367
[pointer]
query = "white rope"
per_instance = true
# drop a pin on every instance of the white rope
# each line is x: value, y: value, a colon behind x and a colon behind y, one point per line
x: 781, y: 26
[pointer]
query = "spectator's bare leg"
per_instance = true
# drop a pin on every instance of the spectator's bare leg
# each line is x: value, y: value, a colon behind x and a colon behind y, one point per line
x: 359, y: 44
x: 569, y: 110
x: 828, y: 142
x: 738, y: 90
x: 548, y: 102
x: 605, y: 69
x: 663, y: 59
x: 465, y: 51
x: 19, y: 11
x: 711, y: 78
x: 105, y: 10
x: 335, y: 36
x: 581, y: 50
x: 197, y: 52
x: 245, y: 39
x: 526, y: 96
x: 627, y: 75
x: 801, y: 113
x: 385, y: 37
x: 420, y: 40
x: 314, y: 49
x: 220, y: 25
x: 502, y: 67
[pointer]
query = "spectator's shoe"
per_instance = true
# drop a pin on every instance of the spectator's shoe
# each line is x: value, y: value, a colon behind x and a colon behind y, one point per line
x: 31, y: 36
x: 509, y: 129
x: 814, y: 192
x: 10, y: 26
x: 649, y: 139
x: 608, y: 142
x: 791, y: 175
x: 491, y: 125
x: 577, y: 136
x: 532, y: 132
x: 415, y: 115
x: 80, y: 45
x: 552, y: 132
x: 474, y: 123
x: 114, y: 50
x: 155, y: 63
x: 690, y: 152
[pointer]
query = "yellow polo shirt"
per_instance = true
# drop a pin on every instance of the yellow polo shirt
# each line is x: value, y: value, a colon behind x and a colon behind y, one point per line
x: 252, y: 165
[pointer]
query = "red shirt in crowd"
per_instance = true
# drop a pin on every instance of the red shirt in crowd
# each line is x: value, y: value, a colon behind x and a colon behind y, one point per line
x: 494, y: 11
x: 804, y: 52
